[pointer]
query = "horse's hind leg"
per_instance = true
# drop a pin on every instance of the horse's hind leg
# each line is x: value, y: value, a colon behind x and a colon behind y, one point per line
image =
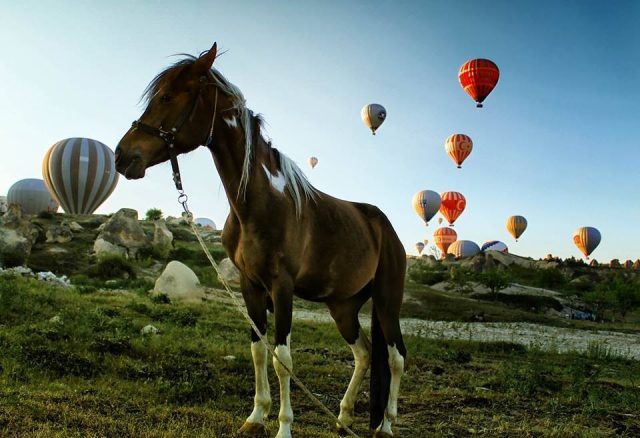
x: 345, y: 314
x: 255, y: 300
x: 386, y: 335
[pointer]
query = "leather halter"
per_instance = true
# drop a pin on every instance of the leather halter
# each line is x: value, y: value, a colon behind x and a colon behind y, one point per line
x: 169, y: 136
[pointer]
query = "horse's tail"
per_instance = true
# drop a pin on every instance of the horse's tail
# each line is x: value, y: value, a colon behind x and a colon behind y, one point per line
x: 380, y: 372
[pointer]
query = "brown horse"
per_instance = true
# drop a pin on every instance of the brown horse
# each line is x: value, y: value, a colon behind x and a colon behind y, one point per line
x: 285, y: 237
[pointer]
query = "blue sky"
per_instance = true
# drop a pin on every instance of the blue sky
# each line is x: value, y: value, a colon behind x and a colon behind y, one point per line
x: 556, y: 142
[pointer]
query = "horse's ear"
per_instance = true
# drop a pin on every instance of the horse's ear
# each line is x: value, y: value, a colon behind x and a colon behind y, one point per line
x: 205, y: 61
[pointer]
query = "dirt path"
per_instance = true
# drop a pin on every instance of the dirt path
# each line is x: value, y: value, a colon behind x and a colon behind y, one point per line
x: 531, y: 335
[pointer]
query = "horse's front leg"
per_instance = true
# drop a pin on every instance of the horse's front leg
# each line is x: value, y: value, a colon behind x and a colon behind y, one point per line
x: 255, y: 299
x: 282, y: 294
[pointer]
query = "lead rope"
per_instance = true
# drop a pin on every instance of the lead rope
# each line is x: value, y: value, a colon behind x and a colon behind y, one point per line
x: 183, y: 200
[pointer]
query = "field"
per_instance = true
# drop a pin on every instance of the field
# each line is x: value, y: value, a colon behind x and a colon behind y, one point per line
x: 73, y: 362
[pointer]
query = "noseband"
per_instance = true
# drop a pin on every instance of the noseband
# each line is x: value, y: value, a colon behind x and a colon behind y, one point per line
x: 169, y: 137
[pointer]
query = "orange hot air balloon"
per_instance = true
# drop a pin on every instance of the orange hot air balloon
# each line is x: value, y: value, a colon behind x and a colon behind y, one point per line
x: 443, y: 237
x: 452, y: 206
x: 458, y: 146
x: 516, y: 226
x: 478, y: 77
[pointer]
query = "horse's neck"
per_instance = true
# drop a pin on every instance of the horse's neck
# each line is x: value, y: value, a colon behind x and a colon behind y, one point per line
x: 229, y: 154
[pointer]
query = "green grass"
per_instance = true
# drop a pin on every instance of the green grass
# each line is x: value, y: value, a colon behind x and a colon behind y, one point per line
x: 93, y: 374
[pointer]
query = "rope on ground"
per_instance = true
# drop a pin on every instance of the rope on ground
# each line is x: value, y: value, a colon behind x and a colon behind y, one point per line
x: 241, y: 308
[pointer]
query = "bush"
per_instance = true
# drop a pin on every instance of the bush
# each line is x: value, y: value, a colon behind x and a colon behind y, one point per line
x: 422, y: 274
x: 550, y: 278
x: 459, y: 279
x: 110, y: 267
x: 153, y: 214
x: 495, y: 280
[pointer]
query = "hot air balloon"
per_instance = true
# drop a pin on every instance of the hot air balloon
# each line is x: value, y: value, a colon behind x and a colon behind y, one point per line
x: 426, y: 242
x: 494, y: 245
x: 313, y: 161
x: 443, y: 237
x: 80, y: 173
x: 586, y: 239
x: 3, y: 204
x: 458, y: 146
x: 419, y: 247
x: 207, y: 223
x: 453, y: 204
x: 373, y: 115
x: 463, y: 248
x: 426, y: 203
x: 33, y: 196
x: 516, y: 226
x: 440, y: 220
x: 478, y: 77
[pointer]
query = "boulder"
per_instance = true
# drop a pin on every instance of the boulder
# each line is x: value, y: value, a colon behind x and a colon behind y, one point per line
x: 614, y: 264
x: 594, y: 263
x: 636, y: 265
x: 103, y: 248
x: 507, y: 259
x: 149, y: 330
x: 14, y: 220
x: 628, y: 264
x: 3, y: 205
x: 74, y: 226
x: 544, y: 264
x: 59, y: 233
x: 162, y: 239
x: 14, y: 248
x: 229, y: 272
x: 123, y: 230
x: 179, y: 282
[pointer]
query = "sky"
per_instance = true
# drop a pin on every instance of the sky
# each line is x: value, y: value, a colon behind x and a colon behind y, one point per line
x: 556, y: 141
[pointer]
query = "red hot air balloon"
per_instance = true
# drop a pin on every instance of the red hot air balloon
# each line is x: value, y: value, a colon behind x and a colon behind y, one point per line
x: 444, y: 237
x: 458, y: 146
x: 452, y: 206
x: 478, y: 77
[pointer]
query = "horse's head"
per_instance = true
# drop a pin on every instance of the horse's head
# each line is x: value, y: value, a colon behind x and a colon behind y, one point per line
x: 176, y: 116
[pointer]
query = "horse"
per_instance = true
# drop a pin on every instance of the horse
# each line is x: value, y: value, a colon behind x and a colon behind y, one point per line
x: 285, y: 237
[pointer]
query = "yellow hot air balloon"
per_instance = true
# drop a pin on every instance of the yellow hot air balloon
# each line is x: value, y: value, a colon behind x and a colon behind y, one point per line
x: 458, y: 146
x: 586, y: 239
x: 516, y: 226
x: 373, y: 115
x: 426, y: 203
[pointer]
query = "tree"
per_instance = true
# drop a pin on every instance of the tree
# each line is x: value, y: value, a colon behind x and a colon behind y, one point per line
x: 625, y: 295
x: 459, y: 279
x: 495, y: 280
x: 153, y: 214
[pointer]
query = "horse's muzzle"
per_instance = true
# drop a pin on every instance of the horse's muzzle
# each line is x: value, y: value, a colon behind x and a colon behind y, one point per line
x: 132, y: 167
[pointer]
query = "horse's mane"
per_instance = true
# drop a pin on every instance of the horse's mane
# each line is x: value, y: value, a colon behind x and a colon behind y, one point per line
x: 297, y: 182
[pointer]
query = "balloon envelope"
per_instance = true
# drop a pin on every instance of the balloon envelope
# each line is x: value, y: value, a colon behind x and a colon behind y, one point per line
x: 419, y: 247
x: 33, y: 196
x: 80, y: 173
x: 205, y: 222
x: 426, y: 203
x: 458, y: 147
x: 478, y: 77
x: 516, y: 226
x: 463, y: 248
x: 494, y: 245
x: 453, y: 204
x: 443, y: 237
x: 313, y: 161
x: 373, y: 115
x: 586, y: 239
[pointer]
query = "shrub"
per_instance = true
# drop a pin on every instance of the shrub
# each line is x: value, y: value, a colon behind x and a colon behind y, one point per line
x: 459, y: 279
x: 422, y: 274
x: 550, y: 278
x: 153, y: 214
x: 495, y: 280
x: 112, y: 266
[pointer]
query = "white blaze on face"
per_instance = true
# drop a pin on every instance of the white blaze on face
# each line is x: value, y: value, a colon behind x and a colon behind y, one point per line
x: 361, y: 355
x: 285, y: 416
x: 262, y: 399
x: 278, y: 182
x: 232, y: 122
x: 396, y: 364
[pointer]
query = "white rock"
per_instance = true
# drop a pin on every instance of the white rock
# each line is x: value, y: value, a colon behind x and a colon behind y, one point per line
x: 57, y: 320
x: 179, y: 282
x: 229, y: 358
x: 229, y: 272
x: 149, y: 330
x: 103, y: 248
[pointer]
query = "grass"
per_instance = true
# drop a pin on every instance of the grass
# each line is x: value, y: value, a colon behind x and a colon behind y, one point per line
x: 90, y: 372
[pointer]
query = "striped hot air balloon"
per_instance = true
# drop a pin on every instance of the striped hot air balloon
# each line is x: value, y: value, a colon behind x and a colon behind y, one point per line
x: 373, y: 115
x: 494, y: 245
x: 463, y: 248
x: 516, y: 226
x: 419, y: 247
x: 32, y: 196
x: 458, y: 146
x: 478, y: 77
x: 452, y: 206
x: 443, y: 237
x: 586, y: 239
x: 80, y: 173
x: 426, y: 203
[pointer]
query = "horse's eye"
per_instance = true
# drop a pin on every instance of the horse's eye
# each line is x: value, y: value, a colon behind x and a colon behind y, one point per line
x: 165, y: 98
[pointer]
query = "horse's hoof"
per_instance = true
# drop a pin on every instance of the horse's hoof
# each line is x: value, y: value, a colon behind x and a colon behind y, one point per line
x: 253, y: 430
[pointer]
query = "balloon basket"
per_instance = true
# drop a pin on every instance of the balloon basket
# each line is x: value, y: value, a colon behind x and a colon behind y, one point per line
x: 479, y: 105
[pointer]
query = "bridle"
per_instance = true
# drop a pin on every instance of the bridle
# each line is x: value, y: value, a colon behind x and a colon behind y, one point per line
x: 169, y: 136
